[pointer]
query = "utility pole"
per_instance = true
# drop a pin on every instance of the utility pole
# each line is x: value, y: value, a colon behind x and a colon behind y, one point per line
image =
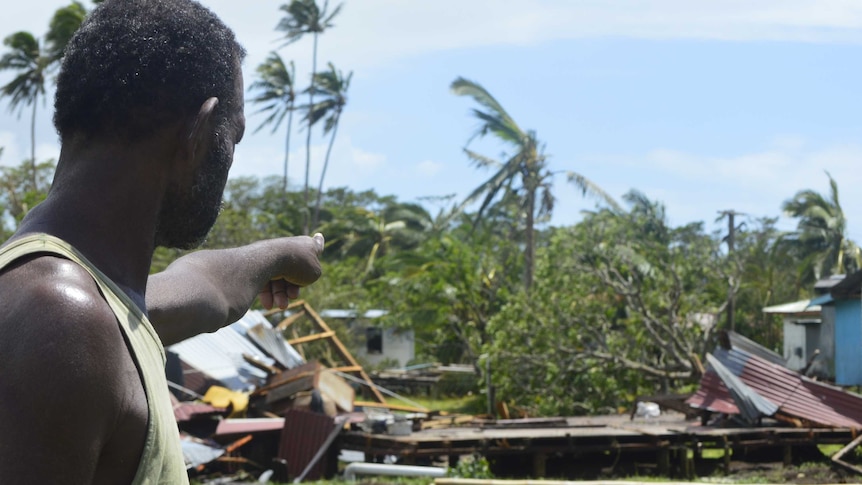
x: 731, y: 240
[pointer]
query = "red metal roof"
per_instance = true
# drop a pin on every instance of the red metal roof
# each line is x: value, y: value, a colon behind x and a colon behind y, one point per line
x: 794, y: 394
x: 186, y: 411
x: 303, y: 435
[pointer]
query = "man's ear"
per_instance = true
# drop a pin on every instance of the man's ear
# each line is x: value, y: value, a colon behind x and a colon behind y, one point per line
x: 201, y: 129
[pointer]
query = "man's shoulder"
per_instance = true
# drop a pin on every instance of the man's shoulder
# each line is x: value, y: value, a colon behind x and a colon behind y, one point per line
x: 65, y: 362
x: 42, y: 283
x: 48, y: 298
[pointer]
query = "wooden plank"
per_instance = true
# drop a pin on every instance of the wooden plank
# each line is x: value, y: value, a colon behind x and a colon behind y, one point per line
x: 837, y: 458
x: 310, y: 338
x: 394, y: 407
x: 342, y: 350
x: 289, y: 321
x: 346, y: 369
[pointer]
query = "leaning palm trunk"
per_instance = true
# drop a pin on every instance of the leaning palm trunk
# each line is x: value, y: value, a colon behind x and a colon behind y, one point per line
x: 33, y: 180
x: 287, y: 148
x: 323, y: 173
x: 308, y: 135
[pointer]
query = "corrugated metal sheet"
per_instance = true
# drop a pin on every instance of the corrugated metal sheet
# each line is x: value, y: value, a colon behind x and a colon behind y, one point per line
x: 272, y: 342
x: 303, y: 435
x: 335, y: 313
x: 751, y: 405
x: 794, y: 394
x: 185, y: 411
x: 801, y: 306
x: 196, y: 452
x: 219, y: 355
x: 741, y: 342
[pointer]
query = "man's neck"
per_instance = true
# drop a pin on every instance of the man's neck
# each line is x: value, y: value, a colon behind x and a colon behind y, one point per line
x: 113, y: 227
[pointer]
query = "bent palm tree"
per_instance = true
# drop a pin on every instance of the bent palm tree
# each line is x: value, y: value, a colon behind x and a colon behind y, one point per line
x: 333, y: 86
x: 821, y: 233
x: 305, y: 17
x: 275, y: 89
x: 527, y: 164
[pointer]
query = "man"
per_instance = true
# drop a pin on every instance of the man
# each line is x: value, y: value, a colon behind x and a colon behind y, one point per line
x: 148, y: 109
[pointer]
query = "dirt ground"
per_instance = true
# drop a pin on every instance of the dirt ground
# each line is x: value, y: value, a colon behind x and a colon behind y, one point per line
x: 805, y: 473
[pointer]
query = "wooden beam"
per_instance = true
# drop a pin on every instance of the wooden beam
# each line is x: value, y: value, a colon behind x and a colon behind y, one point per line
x: 347, y: 369
x: 837, y: 458
x: 394, y: 407
x: 289, y: 321
x: 311, y: 338
x: 342, y: 350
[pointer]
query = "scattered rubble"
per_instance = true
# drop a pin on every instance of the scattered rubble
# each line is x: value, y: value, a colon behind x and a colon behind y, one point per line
x: 248, y: 404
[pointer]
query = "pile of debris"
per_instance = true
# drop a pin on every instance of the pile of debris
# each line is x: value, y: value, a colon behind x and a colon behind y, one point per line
x: 748, y: 383
x: 248, y: 403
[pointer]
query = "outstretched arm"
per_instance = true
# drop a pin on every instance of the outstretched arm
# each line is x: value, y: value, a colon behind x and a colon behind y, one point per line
x: 206, y: 290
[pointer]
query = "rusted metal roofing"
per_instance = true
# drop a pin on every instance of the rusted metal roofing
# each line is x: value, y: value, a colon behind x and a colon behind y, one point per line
x: 186, y: 411
x: 795, y: 395
x: 751, y: 405
x: 303, y: 435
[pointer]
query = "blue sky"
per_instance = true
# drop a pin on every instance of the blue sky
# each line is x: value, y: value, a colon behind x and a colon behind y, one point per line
x: 705, y: 106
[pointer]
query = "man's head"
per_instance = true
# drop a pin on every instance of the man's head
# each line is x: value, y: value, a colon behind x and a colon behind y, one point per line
x: 138, y: 66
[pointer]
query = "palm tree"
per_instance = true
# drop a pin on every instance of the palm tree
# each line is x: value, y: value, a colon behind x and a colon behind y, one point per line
x: 373, y: 233
x: 305, y: 17
x: 27, y: 58
x: 32, y: 64
x: 820, y: 235
x: 65, y: 22
x: 527, y: 164
x: 333, y: 86
x: 275, y: 87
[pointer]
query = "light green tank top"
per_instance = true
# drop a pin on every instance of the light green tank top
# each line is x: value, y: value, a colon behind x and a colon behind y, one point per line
x: 162, y: 458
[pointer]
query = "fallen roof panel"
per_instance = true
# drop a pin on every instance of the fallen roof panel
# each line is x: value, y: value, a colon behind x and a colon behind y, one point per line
x: 794, y: 394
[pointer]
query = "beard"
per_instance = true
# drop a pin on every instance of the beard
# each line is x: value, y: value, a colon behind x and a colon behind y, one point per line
x: 188, y: 213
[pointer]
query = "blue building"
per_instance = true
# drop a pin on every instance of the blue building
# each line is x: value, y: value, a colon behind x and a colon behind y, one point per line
x: 823, y: 335
x: 845, y: 301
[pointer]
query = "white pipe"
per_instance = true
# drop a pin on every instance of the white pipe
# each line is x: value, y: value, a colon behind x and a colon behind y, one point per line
x: 359, y: 468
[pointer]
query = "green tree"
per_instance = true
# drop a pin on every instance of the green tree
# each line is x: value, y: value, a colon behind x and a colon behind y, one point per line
x: 820, y: 236
x: 527, y: 164
x: 624, y: 304
x: 332, y: 86
x: 275, y: 90
x: 21, y: 188
x: 769, y: 276
x: 370, y: 233
x: 448, y: 288
x: 306, y: 17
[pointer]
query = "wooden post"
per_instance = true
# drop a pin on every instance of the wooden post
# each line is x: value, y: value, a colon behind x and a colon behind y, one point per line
x: 664, y: 461
x: 540, y: 461
x: 727, y: 454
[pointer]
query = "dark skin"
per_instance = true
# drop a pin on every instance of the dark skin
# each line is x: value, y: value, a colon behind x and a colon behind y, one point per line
x: 72, y: 406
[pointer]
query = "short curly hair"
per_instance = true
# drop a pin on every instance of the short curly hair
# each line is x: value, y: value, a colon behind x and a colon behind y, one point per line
x: 135, y: 65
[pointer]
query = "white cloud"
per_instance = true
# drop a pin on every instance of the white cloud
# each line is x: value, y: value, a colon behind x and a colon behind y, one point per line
x: 10, y: 155
x: 376, y: 32
x: 429, y: 168
x: 367, y: 161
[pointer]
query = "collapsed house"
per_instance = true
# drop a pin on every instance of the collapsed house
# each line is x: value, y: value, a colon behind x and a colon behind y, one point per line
x: 247, y: 401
